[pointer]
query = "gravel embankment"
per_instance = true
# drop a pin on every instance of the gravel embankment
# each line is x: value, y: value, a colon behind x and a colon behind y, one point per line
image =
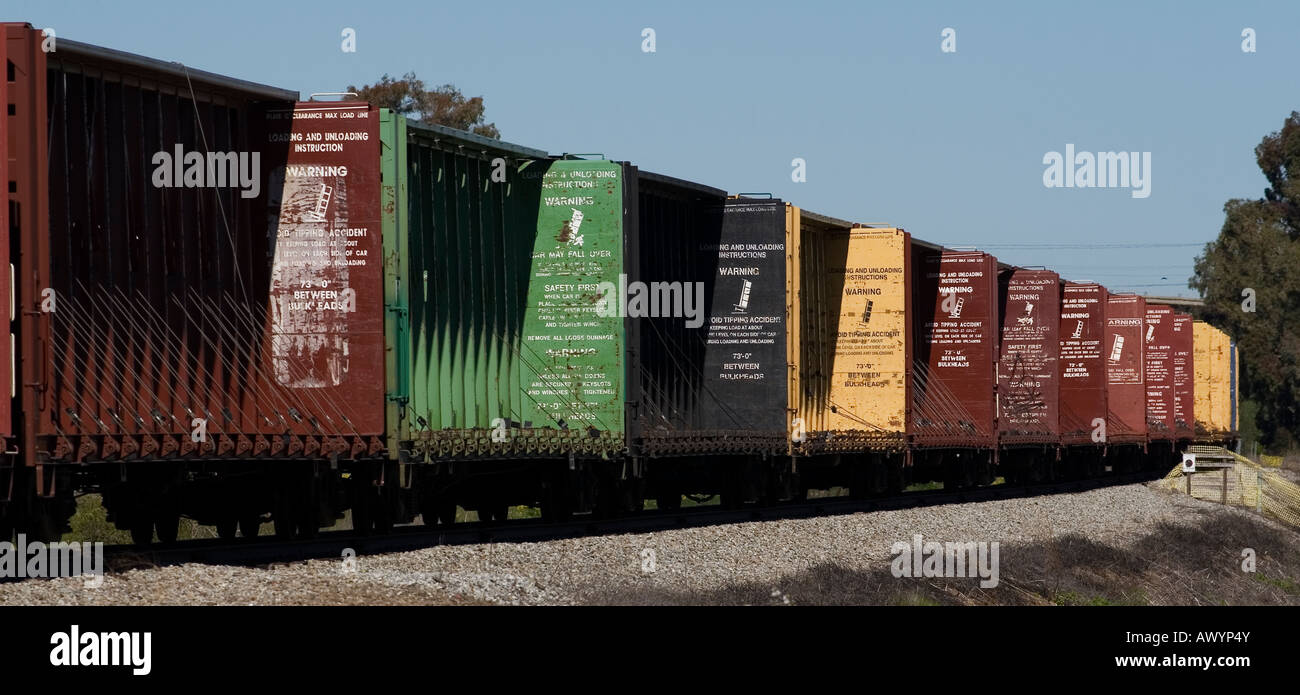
x: 693, y: 561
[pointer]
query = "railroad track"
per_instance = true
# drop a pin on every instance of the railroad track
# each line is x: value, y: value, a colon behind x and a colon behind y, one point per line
x: 332, y: 544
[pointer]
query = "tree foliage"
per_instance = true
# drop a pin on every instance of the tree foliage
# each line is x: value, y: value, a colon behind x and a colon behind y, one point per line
x: 444, y: 105
x: 1258, y: 250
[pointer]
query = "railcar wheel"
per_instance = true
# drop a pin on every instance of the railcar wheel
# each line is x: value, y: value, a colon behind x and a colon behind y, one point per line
x: 226, y: 528
x: 860, y: 483
x: 437, y: 510
x: 286, y: 521
x: 47, y: 528
x: 669, y: 502
x: 557, y: 498
x: 899, y: 475
x: 556, y: 508
x: 383, y: 515
x: 142, y: 531
x: 309, y: 514
x: 250, y: 525
x: 168, y: 525
x: 48, y: 519
x: 363, y: 520
x: 732, y: 495
x: 428, y: 513
x: 6, y: 520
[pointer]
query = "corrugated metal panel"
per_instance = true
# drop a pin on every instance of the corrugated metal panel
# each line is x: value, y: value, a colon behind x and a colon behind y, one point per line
x: 508, y: 262
x: 1184, y: 375
x: 851, y: 376
x: 1125, y: 385
x: 1082, y: 361
x: 955, y: 349
x: 1028, y: 382
x: 185, y: 306
x: 1158, y: 365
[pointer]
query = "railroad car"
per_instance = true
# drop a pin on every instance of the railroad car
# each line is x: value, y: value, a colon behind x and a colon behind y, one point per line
x: 196, y: 331
x: 1157, y: 364
x: 849, y: 298
x: 1125, y: 369
x: 1184, y: 376
x: 1083, y: 367
x: 1029, y: 380
x: 563, y: 331
x: 235, y: 306
x: 954, y: 430
x: 1215, y: 370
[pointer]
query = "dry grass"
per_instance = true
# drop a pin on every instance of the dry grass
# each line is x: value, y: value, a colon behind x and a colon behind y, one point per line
x: 1197, y: 564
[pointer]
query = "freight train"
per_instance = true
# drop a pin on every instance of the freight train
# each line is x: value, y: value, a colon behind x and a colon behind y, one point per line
x: 232, y: 305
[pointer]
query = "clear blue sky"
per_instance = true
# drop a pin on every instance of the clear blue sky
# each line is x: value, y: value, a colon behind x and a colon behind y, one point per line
x: 948, y: 146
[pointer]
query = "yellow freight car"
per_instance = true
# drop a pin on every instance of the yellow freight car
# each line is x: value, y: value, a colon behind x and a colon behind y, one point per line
x: 1215, y: 372
x: 847, y: 293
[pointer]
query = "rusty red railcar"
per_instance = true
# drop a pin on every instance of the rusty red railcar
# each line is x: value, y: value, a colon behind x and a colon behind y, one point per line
x: 1028, y: 380
x: 1184, y: 375
x: 1082, y: 363
x: 198, y: 270
x: 203, y: 299
x: 1157, y: 341
x: 1125, y: 380
x: 955, y: 348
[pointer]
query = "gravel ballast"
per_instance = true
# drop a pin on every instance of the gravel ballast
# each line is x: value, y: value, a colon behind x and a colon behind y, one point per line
x: 691, y: 561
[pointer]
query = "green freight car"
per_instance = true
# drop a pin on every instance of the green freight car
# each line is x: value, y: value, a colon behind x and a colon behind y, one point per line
x: 497, y: 282
x: 500, y: 360
x: 549, y: 325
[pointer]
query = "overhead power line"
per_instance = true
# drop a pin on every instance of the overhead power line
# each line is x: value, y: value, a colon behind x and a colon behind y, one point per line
x: 1099, y: 245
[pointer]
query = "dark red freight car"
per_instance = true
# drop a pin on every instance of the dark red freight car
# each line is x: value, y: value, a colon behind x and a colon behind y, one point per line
x: 1125, y: 384
x: 1028, y: 382
x: 955, y: 353
x: 1158, y: 364
x: 1082, y: 363
x: 1184, y: 375
x: 198, y: 281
